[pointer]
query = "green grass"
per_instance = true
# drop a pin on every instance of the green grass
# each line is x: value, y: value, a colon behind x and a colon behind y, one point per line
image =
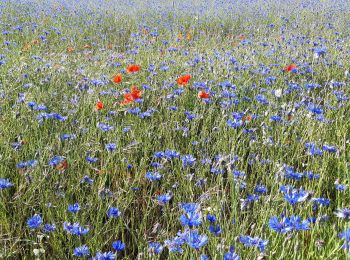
x: 214, y: 40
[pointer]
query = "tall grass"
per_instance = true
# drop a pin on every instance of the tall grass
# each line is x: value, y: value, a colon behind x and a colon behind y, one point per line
x: 243, y: 43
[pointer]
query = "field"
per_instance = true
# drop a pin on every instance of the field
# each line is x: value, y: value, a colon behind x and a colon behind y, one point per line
x: 174, y: 129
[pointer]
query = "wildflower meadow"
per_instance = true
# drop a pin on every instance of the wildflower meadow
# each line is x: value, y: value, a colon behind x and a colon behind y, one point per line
x: 160, y: 129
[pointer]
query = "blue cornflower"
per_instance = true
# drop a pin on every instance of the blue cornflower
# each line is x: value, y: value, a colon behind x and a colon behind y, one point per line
x: 134, y: 111
x: 206, y: 161
x: 192, y: 216
x: 173, y: 108
x: 81, y: 251
x: 164, y: 198
x: 175, y: 245
x: 215, y: 229
x: 155, y: 247
x: 86, y: 179
x: 329, y: 148
x: 340, y: 187
x: 91, y: 159
x: 65, y: 137
x: 312, y: 149
x: 297, y: 223
x: 118, y: 245
x: 190, y: 115
x: 314, y: 109
x: 289, y: 173
x: 249, y: 241
x: 295, y: 196
x: 113, y: 212
x: 231, y: 255
x: 343, y: 213
x: 48, y: 228
x: 217, y: 171
x: 74, y: 208
x: 238, y: 174
x: 195, y: 240
x: 170, y: 154
x: 5, y: 183
x: 262, y: 99
x: 126, y: 129
x: 235, y: 123
x: 110, y: 147
x: 55, y: 116
x: 269, y: 80
x: 311, y: 175
x: 75, y: 229
x: 34, y: 222
x: 345, y: 235
x: 27, y: 164
x: 278, y: 226
x: 320, y: 202
x: 158, y: 155
x: 104, y: 256
x: 190, y: 207
x: 147, y: 113
x: 211, y: 218
x: 312, y: 220
x: 188, y: 160
x: 252, y: 198
x: 260, y: 189
x: 153, y: 176
x: 105, y: 127
x: 312, y: 86
x: 276, y: 118
x: 318, y: 52
x: 288, y: 224
x: 56, y: 160
x: 156, y: 165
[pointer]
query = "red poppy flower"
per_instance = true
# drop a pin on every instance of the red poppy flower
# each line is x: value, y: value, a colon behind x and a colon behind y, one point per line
x: 241, y: 36
x: 132, y: 96
x: 290, y: 67
x: 183, y: 80
x: 99, y: 105
x: 62, y: 165
x: 133, y: 68
x: 117, y: 78
x: 135, y: 92
x: 203, y: 94
x: 247, y: 118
